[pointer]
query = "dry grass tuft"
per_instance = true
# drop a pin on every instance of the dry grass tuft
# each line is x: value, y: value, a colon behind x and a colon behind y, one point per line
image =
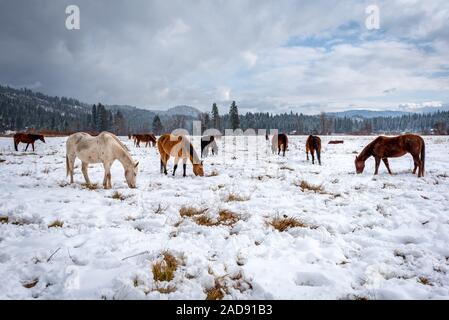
x: 284, y: 223
x: 56, y: 224
x: 286, y: 168
x: 118, y: 196
x: 30, y: 284
x: 165, y: 270
x: 4, y: 219
x: 204, y: 220
x: 25, y: 174
x: 167, y: 290
x: 217, y: 292
x: 189, y: 211
x: 232, y: 197
x: 425, y: 281
x: 91, y: 186
x: 227, y: 217
x: 304, y: 185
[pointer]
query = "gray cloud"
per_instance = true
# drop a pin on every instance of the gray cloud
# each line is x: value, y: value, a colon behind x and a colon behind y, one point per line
x: 158, y: 54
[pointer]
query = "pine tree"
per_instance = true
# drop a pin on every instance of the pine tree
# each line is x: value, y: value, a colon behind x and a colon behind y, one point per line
x: 215, y: 117
x: 119, y: 123
x: 158, y: 128
x: 94, y: 118
x: 234, y: 116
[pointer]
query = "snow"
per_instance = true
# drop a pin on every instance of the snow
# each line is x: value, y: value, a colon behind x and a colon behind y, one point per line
x: 365, y: 236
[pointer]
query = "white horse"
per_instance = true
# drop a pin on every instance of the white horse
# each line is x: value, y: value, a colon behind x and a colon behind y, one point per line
x: 105, y: 148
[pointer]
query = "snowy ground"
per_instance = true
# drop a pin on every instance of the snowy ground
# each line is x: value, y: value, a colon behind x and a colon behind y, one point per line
x: 383, y: 237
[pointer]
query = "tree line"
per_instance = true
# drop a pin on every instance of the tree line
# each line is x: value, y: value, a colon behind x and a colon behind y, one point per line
x: 23, y: 109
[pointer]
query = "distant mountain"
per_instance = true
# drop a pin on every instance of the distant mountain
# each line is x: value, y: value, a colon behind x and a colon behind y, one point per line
x: 430, y: 109
x: 367, y: 114
x: 181, y: 111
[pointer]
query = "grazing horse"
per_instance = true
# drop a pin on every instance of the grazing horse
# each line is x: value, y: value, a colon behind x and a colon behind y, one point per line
x: 104, y: 148
x: 147, y: 138
x: 178, y: 147
x: 313, y: 143
x: 392, y: 147
x: 279, y: 142
x: 208, y: 142
x: 27, y: 138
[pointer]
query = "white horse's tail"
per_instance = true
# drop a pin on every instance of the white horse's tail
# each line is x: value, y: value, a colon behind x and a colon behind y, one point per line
x: 67, y: 166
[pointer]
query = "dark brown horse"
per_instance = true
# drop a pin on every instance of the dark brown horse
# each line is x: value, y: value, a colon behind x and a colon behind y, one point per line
x: 27, y: 138
x: 208, y: 142
x: 383, y: 148
x: 148, y: 138
x: 279, y: 142
x: 313, y: 144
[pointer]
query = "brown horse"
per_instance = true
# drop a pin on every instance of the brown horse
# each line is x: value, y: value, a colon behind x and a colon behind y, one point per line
x: 279, y: 142
x: 27, y: 138
x: 178, y: 147
x: 392, y: 147
x: 148, y: 138
x: 313, y: 143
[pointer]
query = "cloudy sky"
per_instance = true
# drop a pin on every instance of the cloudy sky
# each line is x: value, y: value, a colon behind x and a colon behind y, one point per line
x: 276, y: 56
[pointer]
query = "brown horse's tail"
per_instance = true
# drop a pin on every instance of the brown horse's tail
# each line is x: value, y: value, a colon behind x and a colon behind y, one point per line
x: 423, y: 156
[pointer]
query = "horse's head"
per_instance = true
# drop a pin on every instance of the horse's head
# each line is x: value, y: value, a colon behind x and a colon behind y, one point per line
x: 41, y: 138
x: 198, y: 169
x: 131, y: 175
x: 359, y: 165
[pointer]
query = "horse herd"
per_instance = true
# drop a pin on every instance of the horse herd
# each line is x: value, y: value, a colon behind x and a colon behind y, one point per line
x: 106, y: 148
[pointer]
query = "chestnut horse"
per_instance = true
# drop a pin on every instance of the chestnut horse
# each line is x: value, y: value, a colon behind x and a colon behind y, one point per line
x: 178, y: 147
x: 27, y: 138
x: 279, y: 142
x: 392, y: 147
x: 147, y: 138
x: 313, y: 144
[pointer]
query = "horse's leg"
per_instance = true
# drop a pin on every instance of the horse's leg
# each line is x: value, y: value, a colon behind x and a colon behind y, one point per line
x: 165, y: 158
x: 71, y: 166
x: 279, y: 149
x: 307, y: 153
x: 84, y: 167
x: 184, y: 166
x: 32, y: 144
x: 313, y: 156
x: 318, y: 154
x: 387, y: 164
x: 27, y: 147
x: 176, y: 165
x: 377, y: 165
x: 107, y: 175
x: 416, y: 163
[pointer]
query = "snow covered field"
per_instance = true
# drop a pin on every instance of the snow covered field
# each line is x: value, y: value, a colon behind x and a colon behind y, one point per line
x: 359, y: 236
